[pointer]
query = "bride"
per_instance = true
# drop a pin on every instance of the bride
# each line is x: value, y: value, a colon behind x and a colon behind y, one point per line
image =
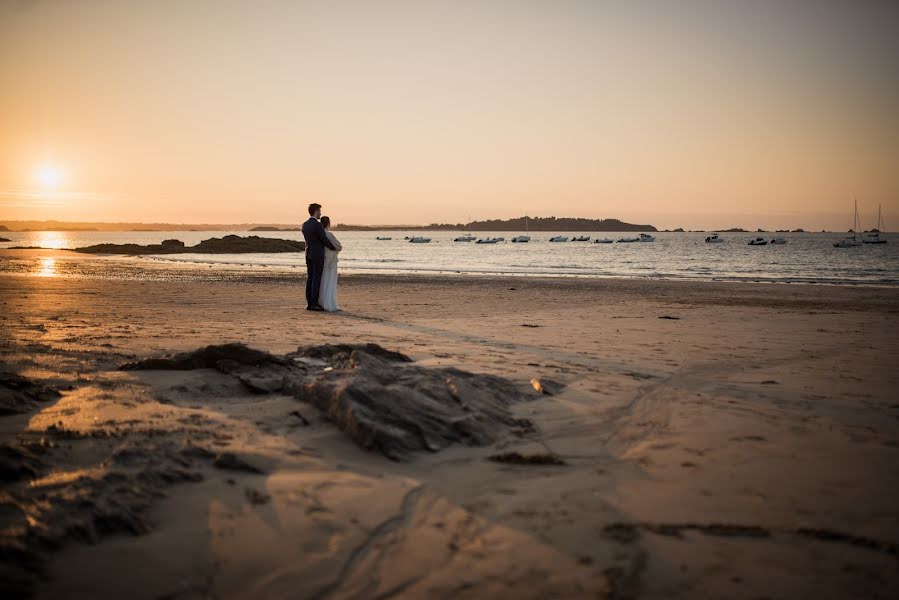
x: 327, y: 297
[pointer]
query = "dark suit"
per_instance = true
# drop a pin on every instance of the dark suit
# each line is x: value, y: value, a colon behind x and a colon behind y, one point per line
x: 316, y: 242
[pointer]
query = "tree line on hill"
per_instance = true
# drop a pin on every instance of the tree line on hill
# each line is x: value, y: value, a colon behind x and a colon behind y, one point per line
x: 519, y: 224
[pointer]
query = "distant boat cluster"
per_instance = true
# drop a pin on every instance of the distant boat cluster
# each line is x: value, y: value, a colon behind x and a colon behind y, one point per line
x: 523, y: 239
x: 872, y: 237
x: 849, y: 242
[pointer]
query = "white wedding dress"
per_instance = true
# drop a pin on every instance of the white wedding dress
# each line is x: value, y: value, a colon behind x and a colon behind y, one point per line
x: 327, y: 295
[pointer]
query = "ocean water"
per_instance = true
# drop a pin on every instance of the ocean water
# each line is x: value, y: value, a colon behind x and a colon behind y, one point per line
x: 806, y: 258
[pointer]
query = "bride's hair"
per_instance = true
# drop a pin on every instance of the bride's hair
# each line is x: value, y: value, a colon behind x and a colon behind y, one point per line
x: 326, y: 222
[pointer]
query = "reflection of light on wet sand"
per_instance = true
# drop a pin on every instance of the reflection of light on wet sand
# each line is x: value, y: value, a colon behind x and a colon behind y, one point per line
x: 47, y: 268
x: 52, y: 239
x: 56, y: 478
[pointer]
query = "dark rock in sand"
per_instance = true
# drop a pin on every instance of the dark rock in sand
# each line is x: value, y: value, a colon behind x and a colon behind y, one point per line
x: 373, y: 394
x: 516, y: 458
x: 547, y: 386
x: 232, y: 462
x: 397, y: 409
x: 337, y: 355
x: 224, y: 357
x: 3, y: 239
x: 17, y: 463
x: 20, y: 395
x: 230, y: 244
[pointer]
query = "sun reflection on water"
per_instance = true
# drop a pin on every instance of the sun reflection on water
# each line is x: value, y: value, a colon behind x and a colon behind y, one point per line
x: 47, y: 268
x: 52, y: 239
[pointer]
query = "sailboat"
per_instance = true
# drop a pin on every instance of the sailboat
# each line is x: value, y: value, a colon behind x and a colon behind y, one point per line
x: 523, y: 238
x: 851, y: 242
x: 873, y: 237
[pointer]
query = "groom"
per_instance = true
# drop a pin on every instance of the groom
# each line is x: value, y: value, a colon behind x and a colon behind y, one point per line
x: 316, y: 240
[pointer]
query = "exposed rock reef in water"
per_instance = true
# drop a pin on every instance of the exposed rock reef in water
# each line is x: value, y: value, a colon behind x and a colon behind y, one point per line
x: 230, y: 244
x: 372, y: 394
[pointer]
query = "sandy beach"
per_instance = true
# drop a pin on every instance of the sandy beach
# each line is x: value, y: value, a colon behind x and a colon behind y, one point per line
x: 708, y: 440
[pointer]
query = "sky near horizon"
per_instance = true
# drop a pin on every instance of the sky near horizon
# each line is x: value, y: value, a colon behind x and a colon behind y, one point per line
x: 695, y: 114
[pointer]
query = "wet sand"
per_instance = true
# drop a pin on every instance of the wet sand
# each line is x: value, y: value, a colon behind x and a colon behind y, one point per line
x: 745, y: 447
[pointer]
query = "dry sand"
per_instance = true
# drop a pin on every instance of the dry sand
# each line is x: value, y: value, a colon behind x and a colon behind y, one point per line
x: 747, y: 448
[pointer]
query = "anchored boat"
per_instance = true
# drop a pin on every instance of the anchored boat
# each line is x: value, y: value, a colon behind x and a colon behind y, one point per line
x: 873, y: 236
x: 851, y: 242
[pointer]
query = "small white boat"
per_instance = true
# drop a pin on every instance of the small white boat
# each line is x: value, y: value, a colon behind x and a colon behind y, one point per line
x: 714, y: 239
x: 465, y: 238
x: 487, y: 241
x: 758, y: 242
x: 558, y: 238
x: 645, y: 237
x: 628, y: 240
x: 420, y: 240
x: 603, y: 240
x: 778, y: 241
x: 383, y: 238
x: 523, y: 239
x: 851, y: 242
x: 582, y: 238
x: 873, y: 236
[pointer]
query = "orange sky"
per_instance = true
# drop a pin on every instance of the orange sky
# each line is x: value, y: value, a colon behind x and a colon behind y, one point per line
x: 692, y: 114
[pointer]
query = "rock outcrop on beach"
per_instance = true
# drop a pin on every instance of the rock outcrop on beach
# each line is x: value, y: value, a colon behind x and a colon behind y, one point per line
x: 20, y: 395
x: 230, y: 244
x: 372, y: 394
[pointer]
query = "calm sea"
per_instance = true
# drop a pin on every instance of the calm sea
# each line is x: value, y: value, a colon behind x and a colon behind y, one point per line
x: 806, y: 257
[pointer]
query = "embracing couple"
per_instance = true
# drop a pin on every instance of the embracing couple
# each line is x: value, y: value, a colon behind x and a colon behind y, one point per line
x: 321, y: 261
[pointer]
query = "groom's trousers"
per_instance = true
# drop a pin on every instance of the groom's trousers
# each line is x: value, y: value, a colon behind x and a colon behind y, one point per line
x: 314, y: 270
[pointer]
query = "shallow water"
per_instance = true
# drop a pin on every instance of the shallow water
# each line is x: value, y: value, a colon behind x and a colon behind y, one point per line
x: 807, y: 257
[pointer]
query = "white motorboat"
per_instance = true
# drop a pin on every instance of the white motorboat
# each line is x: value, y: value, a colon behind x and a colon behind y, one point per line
x: 851, y: 242
x: 523, y: 239
x: 488, y: 241
x: 758, y: 242
x: 778, y: 241
x: 420, y: 240
x: 604, y: 240
x: 467, y: 237
x: 645, y: 237
x: 558, y: 238
x: 582, y: 238
x: 714, y: 239
x: 873, y: 236
x: 383, y: 238
x: 628, y: 240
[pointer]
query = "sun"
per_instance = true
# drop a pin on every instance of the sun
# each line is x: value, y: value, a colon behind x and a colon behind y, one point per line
x: 48, y: 176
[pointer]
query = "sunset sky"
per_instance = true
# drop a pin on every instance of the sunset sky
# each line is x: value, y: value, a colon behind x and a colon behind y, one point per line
x: 676, y: 113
